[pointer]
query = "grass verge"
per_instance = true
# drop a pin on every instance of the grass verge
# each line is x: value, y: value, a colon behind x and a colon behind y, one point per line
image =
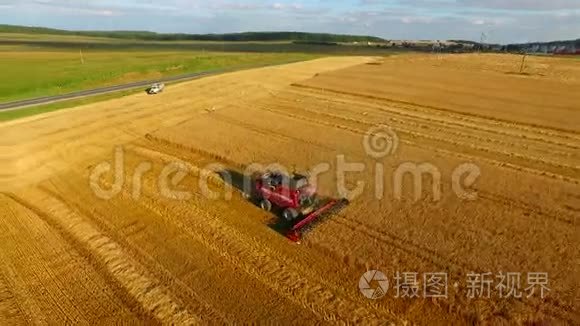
x: 66, y: 104
x: 45, y: 108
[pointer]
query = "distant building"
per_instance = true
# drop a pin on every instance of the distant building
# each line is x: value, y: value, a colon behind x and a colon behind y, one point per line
x: 567, y: 49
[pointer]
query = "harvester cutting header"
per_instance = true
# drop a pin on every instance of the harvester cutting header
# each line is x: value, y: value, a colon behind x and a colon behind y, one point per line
x: 294, y: 199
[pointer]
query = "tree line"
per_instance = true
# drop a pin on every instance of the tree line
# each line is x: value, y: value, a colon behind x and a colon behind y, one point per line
x: 230, y: 37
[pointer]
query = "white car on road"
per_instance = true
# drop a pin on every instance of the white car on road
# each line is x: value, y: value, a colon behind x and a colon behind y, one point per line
x: 156, y: 88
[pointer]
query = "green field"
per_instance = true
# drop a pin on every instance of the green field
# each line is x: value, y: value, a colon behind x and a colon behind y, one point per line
x: 29, y: 72
x: 37, y: 63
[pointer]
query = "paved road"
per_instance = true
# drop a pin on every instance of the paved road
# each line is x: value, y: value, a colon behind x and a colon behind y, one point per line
x: 104, y: 90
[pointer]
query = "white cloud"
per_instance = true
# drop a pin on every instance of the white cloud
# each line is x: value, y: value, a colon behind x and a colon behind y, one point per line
x: 417, y: 19
x: 510, y: 20
x: 540, y: 5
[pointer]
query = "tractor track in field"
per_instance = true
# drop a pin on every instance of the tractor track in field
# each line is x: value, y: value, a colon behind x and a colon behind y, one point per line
x: 144, y: 258
x: 308, y: 112
x: 407, y: 247
x: 235, y: 248
x: 117, y: 301
x: 268, y: 251
x: 454, y: 133
x: 527, y: 133
x: 10, y: 306
x: 190, y: 149
x: 155, y: 155
x: 208, y: 157
x: 343, y: 105
x: 167, y: 214
x: 463, y: 156
x: 439, y: 139
x: 557, y: 309
x: 548, y: 130
x: 561, y: 216
x: 268, y: 132
x: 100, y: 265
x: 422, y: 252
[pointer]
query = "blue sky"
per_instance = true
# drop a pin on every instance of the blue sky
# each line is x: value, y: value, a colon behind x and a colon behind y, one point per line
x: 502, y: 21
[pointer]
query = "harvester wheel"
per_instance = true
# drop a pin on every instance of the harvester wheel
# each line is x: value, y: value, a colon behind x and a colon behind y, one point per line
x: 290, y: 214
x: 266, y: 205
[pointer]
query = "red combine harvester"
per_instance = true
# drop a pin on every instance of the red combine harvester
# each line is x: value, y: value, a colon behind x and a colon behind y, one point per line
x: 295, y: 199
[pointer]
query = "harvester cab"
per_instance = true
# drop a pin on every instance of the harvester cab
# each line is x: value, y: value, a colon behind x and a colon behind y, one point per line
x: 296, y: 201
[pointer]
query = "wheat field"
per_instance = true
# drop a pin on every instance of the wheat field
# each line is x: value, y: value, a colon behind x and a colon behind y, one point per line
x: 70, y: 256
